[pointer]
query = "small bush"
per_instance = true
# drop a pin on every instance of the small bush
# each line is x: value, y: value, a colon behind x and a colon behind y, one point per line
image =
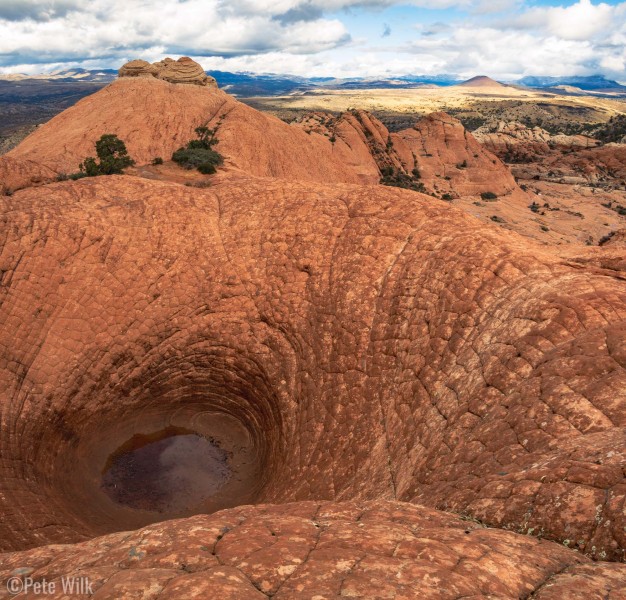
x: 157, y: 161
x: 112, y: 155
x: 448, y: 197
x: 489, y: 196
x: 192, y: 158
x: 397, y: 178
x: 198, y: 154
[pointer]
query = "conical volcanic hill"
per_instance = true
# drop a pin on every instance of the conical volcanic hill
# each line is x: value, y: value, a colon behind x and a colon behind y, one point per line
x: 481, y: 81
x: 410, y: 402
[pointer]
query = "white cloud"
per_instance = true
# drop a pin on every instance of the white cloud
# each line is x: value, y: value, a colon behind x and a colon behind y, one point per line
x: 308, y: 37
x: 505, y: 54
x: 122, y: 28
x: 580, y: 21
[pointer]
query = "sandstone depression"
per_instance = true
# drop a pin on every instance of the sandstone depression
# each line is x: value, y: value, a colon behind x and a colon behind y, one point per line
x: 375, y: 362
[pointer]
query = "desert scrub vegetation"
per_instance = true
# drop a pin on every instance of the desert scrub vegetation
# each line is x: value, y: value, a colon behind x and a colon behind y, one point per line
x: 112, y: 156
x: 614, y: 130
x: 199, y: 153
x: 395, y: 178
x: 489, y: 196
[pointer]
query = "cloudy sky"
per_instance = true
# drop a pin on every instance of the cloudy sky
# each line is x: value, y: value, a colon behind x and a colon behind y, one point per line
x: 344, y: 38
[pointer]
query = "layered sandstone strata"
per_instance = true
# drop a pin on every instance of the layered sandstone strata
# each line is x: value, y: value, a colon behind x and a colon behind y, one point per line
x: 184, y: 70
x: 515, y: 142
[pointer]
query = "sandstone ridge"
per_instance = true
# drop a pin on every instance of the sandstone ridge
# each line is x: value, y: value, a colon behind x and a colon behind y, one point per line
x: 353, y: 147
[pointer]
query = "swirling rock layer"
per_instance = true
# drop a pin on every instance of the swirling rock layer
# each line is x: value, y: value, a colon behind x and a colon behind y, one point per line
x: 367, y: 343
x: 184, y: 70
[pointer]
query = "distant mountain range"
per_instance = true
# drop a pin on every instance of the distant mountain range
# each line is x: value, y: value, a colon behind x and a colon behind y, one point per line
x: 590, y: 83
x: 251, y: 84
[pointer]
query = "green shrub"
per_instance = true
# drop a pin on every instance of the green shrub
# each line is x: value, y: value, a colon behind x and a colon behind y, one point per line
x: 396, y: 178
x: 207, y: 168
x: 157, y: 161
x: 448, y: 197
x: 112, y: 155
x: 192, y: 158
x: 489, y: 196
x: 198, y: 154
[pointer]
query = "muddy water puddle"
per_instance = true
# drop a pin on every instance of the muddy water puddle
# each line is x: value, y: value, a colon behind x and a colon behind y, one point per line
x: 172, y: 470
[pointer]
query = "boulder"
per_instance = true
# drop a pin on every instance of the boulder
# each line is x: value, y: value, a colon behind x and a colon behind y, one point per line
x: 138, y: 68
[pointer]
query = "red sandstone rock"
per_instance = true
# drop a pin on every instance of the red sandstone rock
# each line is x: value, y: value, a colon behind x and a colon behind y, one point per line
x: 451, y: 160
x: 184, y: 70
x: 321, y: 550
x: 16, y: 174
x: 374, y: 343
x: 354, y: 148
x: 356, y: 342
x: 155, y: 118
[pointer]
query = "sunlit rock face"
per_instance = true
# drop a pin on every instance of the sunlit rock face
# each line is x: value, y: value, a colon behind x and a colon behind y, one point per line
x: 282, y: 385
x: 335, y: 343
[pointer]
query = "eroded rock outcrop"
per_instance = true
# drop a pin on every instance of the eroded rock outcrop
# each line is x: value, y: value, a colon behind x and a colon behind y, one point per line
x: 450, y: 159
x: 155, y: 118
x: 515, y: 142
x: 438, y: 154
x: 138, y: 68
x: 184, y: 70
x: 371, y: 342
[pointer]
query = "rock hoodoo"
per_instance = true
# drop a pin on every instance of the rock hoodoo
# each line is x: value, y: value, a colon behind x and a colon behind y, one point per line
x: 183, y: 70
x: 138, y: 68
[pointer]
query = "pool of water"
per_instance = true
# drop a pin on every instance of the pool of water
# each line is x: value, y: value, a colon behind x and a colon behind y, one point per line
x: 173, y: 470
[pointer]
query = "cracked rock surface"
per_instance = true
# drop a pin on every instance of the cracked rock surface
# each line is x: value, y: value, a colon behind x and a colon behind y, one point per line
x: 365, y: 343
x: 322, y: 550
